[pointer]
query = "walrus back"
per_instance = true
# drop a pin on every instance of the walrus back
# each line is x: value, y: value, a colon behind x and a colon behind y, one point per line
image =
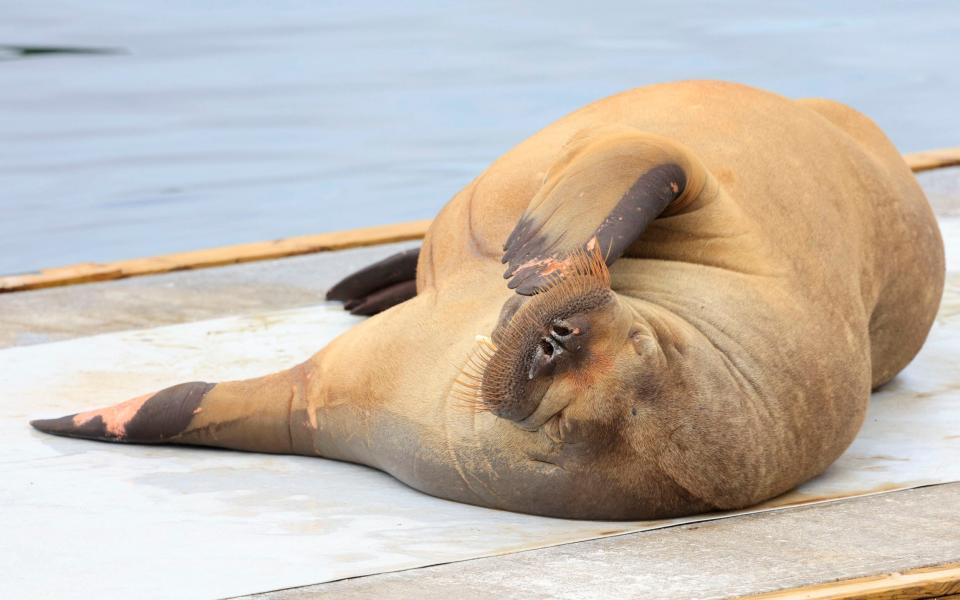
x: 906, y: 255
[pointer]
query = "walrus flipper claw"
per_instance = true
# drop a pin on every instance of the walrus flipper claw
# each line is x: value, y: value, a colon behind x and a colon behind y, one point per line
x: 601, y: 195
x: 379, y: 286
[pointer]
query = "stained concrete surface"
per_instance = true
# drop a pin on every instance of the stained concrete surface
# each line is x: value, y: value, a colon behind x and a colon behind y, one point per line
x: 717, y: 559
x: 195, y: 514
x: 55, y: 314
x: 746, y: 554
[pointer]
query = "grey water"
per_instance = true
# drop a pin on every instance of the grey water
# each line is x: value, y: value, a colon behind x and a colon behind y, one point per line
x: 131, y: 128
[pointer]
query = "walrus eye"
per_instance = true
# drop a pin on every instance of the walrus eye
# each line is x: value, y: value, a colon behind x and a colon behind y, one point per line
x: 560, y: 330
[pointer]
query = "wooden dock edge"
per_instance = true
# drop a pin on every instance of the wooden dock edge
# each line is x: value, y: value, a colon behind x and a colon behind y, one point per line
x: 927, y: 582
x: 933, y: 159
x: 215, y: 257
x: 307, y: 244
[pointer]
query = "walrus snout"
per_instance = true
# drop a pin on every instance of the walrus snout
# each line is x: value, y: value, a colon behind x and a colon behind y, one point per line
x: 536, y: 340
x: 562, y: 340
x: 548, y: 336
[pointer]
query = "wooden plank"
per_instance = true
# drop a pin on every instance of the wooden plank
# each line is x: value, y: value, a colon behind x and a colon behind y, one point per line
x: 213, y: 257
x: 339, y: 240
x: 933, y: 159
x: 927, y: 582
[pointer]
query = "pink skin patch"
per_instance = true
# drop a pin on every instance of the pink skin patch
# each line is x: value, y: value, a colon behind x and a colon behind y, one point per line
x: 544, y: 266
x: 550, y: 264
x: 115, y: 418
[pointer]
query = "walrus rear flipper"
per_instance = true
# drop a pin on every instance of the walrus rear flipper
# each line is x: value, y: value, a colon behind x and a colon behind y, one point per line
x: 603, y: 192
x: 379, y: 286
x: 243, y: 415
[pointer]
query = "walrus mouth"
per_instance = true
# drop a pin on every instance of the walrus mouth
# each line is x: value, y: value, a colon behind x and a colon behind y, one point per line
x: 509, y: 374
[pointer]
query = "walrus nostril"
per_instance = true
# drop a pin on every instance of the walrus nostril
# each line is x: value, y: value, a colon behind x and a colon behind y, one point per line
x: 546, y: 346
x: 544, y: 357
x: 563, y: 335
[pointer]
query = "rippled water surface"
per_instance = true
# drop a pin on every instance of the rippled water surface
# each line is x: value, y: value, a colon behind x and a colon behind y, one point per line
x: 189, y: 124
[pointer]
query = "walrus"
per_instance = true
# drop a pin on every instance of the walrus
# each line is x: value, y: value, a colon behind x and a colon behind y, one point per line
x: 674, y: 300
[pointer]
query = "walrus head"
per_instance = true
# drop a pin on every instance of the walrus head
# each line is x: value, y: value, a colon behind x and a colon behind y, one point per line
x: 566, y: 334
x: 562, y: 343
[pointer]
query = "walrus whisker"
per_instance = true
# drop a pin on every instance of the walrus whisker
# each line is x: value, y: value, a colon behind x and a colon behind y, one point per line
x: 466, y: 391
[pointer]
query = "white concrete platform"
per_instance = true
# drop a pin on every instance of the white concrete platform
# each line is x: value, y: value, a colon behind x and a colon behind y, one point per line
x: 86, y: 519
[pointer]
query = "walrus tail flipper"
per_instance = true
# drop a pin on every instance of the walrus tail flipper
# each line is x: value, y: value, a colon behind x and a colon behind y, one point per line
x: 604, y: 192
x: 243, y: 415
x: 379, y: 286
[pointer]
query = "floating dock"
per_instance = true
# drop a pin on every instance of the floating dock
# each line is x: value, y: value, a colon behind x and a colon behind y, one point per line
x: 206, y: 523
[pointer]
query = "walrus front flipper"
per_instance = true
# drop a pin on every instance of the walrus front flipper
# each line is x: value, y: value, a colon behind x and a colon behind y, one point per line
x: 243, y: 415
x: 604, y: 192
x: 379, y: 286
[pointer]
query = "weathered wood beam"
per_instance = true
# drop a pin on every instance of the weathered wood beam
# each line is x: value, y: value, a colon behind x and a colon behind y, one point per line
x: 215, y: 257
x: 926, y: 582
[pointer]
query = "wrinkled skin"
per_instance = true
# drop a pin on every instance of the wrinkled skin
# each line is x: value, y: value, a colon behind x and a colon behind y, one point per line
x: 793, y: 266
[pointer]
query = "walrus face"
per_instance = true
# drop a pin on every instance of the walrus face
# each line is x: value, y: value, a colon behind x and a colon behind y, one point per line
x: 554, y: 335
x: 549, y: 349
